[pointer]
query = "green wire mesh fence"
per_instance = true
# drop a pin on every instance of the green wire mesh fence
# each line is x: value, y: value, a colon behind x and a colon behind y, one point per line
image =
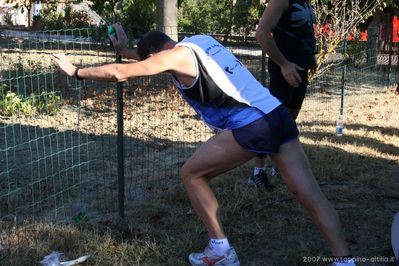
x: 354, y: 70
x: 58, y: 148
x: 46, y: 159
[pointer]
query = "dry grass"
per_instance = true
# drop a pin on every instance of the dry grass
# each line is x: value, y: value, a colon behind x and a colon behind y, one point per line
x: 358, y: 172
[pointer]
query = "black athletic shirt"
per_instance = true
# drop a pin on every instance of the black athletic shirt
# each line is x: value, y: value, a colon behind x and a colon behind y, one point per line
x: 294, y: 34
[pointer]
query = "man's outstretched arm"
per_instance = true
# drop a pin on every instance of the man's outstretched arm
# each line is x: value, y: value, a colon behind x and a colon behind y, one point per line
x: 168, y: 60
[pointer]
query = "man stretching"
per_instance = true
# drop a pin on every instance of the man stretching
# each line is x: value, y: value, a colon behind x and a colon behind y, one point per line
x: 249, y: 122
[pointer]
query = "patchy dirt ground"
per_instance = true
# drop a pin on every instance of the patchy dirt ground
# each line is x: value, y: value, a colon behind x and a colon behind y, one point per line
x: 358, y: 172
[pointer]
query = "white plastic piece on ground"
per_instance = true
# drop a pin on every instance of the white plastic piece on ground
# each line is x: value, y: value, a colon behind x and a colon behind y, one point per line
x: 395, y: 236
x: 74, y: 262
x: 54, y: 260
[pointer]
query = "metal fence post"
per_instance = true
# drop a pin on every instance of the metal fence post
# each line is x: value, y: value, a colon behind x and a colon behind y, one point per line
x: 263, y: 70
x: 343, y: 76
x: 390, y: 37
x: 120, y: 147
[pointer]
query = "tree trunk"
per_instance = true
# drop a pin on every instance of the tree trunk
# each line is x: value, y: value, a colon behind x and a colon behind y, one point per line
x: 29, y: 16
x: 167, y: 18
x: 230, y: 22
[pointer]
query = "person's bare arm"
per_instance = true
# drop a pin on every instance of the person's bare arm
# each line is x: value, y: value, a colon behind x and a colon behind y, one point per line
x: 120, y: 43
x: 175, y: 59
x: 267, y: 23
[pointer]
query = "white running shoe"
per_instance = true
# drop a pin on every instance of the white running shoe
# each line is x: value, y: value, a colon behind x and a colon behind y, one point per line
x: 209, y: 258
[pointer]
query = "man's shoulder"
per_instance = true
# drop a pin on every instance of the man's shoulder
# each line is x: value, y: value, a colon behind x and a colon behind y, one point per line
x: 197, y: 37
x: 199, y: 43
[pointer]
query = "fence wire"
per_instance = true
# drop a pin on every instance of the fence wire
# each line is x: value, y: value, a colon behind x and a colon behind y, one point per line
x: 46, y: 162
x: 356, y: 71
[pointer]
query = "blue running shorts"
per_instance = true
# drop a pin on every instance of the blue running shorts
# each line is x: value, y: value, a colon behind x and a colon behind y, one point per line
x: 268, y: 133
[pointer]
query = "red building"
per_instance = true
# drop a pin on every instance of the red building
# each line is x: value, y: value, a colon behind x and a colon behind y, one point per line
x: 388, y: 26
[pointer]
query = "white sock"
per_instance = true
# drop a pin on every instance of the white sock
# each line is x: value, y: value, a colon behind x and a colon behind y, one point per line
x: 349, y: 262
x: 257, y: 170
x: 219, y: 246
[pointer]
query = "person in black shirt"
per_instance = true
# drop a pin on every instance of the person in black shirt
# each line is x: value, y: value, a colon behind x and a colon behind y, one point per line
x: 285, y: 33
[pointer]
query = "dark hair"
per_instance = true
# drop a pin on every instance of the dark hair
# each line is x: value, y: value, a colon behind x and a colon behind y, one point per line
x: 152, y: 42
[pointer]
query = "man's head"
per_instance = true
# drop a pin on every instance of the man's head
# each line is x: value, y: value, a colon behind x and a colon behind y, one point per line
x: 151, y: 43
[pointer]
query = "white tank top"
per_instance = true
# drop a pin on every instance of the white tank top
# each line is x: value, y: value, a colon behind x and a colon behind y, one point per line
x: 225, y: 94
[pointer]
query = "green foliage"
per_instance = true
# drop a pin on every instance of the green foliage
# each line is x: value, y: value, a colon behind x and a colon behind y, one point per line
x: 12, y: 104
x: 344, y: 18
x: 26, y: 4
x: 106, y: 9
x: 82, y: 216
x: 206, y: 16
x: 356, y: 53
x: 390, y: 3
x: 51, y: 20
x: 3, y: 89
x: 246, y: 16
x: 382, y: 3
x: 8, y: 19
x: 137, y: 16
x: 224, y: 16
x: 51, y: 6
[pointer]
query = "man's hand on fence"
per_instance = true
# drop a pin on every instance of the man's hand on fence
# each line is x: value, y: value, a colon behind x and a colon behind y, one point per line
x: 62, y: 62
x: 120, y: 40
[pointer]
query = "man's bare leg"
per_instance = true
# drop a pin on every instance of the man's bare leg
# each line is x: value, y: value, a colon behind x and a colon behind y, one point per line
x: 216, y: 156
x: 297, y: 175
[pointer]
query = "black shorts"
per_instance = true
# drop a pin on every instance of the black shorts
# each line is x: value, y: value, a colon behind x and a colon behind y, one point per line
x: 292, y: 97
x: 265, y: 135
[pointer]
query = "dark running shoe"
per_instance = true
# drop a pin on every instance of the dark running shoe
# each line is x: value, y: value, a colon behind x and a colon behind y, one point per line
x: 261, y: 182
x: 274, y: 171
